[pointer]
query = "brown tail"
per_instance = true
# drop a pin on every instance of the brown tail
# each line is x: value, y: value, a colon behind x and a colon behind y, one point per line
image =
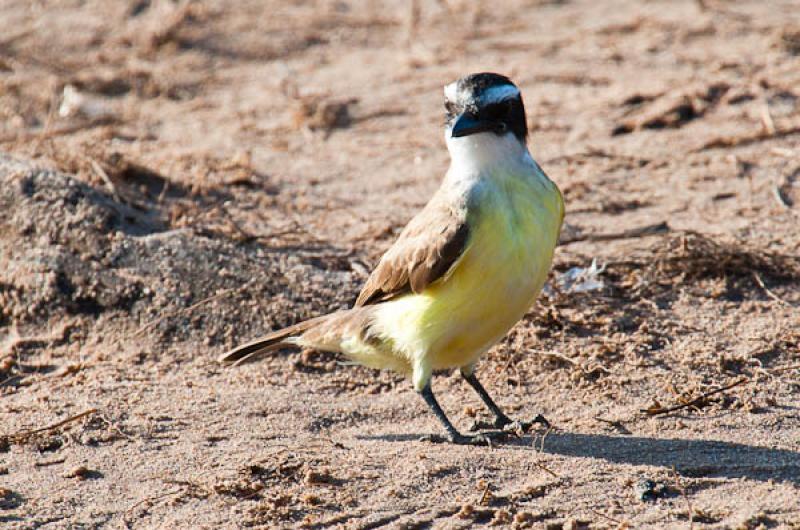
x: 270, y: 342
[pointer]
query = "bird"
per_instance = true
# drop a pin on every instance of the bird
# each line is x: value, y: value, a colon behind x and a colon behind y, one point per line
x: 463, y: 271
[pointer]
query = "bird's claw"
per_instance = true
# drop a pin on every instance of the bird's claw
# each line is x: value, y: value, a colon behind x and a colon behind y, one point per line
x: 432, y: 438
x: 511, y: 426
x: 483, y: 425
x: 525, y: 426
x: 484, y: 438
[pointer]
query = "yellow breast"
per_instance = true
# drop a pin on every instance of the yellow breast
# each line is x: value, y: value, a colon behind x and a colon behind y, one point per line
x: 513, y: 231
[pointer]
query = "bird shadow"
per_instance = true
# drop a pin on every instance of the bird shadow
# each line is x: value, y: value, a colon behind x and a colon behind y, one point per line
x: 690, y: 458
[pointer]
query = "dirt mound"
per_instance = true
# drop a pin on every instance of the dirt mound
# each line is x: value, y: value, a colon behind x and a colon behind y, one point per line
x: 70, y: 251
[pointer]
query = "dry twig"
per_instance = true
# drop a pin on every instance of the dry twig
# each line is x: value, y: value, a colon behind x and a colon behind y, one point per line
x: 766, y: 120
x: 772, y: 295
x: 145, y: 500
x: 759, y: 136
x: 21, y: 436
x: 545, y: 469
x: 486, y: 495
x: 46, y: 463
x: 601, y: 514
x: 653, y: 411
x: 785, y: 369
x: 103, y: 175
x: 642, y: 231
x: 26, y: 136
x: 616, y: 424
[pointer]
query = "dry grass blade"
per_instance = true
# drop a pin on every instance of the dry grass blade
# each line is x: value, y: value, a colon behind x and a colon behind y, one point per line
x: 772, y: 295
x: 103, y: 175
x: 766, y: 119
x: 24, y: 435
x: 546, y: 469
x: 746, y: 139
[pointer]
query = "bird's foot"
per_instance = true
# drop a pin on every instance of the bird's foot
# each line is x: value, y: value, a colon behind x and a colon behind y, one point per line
x: 484, y: 438
x: 508, y: 425
x: 525, y: 426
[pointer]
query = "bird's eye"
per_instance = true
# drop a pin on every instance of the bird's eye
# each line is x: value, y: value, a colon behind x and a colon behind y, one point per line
x: 496, y: 111
x: 449, y: 107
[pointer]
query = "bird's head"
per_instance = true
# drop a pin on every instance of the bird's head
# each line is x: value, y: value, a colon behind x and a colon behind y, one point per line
x: 484, y: 103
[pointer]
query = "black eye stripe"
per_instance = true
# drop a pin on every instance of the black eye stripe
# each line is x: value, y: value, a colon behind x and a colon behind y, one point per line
x: 491, y: 97
x: 498, y: 110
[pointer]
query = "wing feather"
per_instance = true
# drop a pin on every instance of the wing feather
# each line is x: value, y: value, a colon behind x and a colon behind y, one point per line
x: 426, y: 250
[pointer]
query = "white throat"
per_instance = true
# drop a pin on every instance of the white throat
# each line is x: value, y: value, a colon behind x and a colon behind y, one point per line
x: 486, y: 152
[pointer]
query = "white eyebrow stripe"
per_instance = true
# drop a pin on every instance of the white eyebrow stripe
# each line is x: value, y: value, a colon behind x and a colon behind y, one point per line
x: 496, y: 94
x: 451, y: 92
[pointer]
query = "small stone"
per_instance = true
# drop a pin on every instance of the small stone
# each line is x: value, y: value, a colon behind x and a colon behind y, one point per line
x: 648, y: 490
x: 318, y: 477
x: 501, y: 517
x: 465, y: 512
x: 79, y: 472
x: 6, y: 365
x: 312, y: 500
x: 576, y: 524
x: 524, y: 519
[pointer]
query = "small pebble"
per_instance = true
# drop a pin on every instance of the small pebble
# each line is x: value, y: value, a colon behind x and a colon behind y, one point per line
x: 648, y: 490
x: 79, y: 472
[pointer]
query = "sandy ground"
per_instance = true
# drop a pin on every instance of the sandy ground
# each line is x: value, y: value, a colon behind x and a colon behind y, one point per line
x: 179, y: 177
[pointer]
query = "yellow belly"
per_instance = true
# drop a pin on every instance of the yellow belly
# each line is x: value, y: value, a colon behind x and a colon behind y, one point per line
x: 512, y: 237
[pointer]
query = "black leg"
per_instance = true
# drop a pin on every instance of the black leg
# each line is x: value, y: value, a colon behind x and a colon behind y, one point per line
x: 452, y: 433
x: 500, y: 419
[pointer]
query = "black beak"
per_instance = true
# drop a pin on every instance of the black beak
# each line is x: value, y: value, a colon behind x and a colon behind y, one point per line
x: 466, y: 124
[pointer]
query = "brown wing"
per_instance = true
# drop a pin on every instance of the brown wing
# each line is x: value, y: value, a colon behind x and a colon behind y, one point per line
x: 425, y: 251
